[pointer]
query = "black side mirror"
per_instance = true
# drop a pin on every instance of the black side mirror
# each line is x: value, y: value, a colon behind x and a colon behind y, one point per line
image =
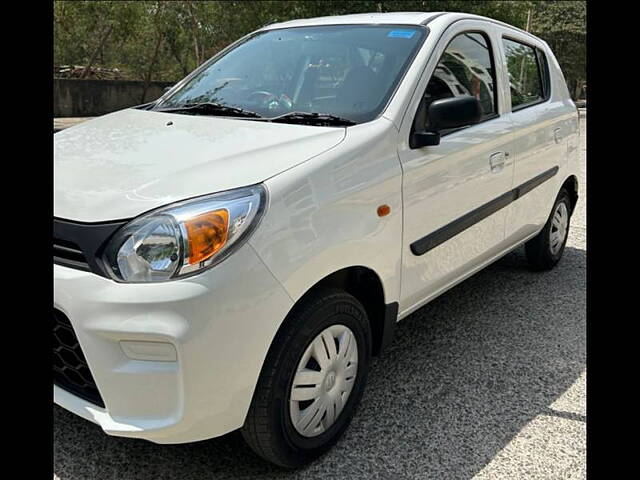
x: 446, y: 113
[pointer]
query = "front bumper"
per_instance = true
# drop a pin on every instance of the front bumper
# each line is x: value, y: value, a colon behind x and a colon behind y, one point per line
x: 178, y: 361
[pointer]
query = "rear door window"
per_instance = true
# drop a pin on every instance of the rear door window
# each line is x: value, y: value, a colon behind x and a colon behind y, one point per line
x: 525, y: 74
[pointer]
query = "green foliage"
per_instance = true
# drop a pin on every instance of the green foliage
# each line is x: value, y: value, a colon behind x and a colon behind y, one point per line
x: 563, y: 25
x: 80, y: 27
x: 165, y: 40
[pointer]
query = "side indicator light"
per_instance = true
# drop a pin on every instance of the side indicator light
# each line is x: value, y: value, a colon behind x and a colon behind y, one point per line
x: 384, y: 210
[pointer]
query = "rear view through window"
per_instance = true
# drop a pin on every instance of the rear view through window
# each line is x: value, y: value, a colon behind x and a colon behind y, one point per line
x: 348, y: 71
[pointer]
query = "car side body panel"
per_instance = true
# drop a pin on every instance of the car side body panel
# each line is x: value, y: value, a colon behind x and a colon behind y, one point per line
x: 322, y: 215
x: 543, y: 134
x: 317, y: 248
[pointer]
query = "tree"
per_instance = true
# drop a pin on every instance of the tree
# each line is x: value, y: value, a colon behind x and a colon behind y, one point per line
x: 83, y: 30
x: 563, y: 25
x: 165, y: 40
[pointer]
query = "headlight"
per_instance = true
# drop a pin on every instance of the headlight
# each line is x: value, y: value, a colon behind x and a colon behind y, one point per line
x: 185, y: 237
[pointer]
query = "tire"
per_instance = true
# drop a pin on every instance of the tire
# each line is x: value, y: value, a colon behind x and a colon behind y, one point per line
x: 543, y: 253
x: 269, y: 428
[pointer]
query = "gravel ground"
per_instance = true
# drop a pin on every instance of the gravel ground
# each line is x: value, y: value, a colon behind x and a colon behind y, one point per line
x: 488, y: 381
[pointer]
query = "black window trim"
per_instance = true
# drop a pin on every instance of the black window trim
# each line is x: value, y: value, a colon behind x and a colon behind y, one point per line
x: 492, y: 57
x: 543, y: 74
x: 546, y: 74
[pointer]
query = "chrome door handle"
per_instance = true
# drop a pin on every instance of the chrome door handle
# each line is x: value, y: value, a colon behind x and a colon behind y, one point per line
x: 497, y: 161
x: 556, y: 135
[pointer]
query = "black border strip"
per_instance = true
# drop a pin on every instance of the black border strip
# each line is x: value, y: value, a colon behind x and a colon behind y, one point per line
x: 431, y: 241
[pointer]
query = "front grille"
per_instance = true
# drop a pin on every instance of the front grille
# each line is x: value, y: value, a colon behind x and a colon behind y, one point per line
x: 69, y: 254
x: 79, y: 245
x: 70, y: 369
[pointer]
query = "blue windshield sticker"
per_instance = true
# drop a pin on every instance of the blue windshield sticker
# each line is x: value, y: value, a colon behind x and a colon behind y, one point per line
x: 401, y: 33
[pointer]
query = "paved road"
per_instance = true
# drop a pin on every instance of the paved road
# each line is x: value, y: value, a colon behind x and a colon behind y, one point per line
x: 488, y: 382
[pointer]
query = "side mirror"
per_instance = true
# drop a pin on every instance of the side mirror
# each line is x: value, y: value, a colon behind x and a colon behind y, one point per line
x: 424, y: 139
x: 446, y: 113
x: 166, y: 89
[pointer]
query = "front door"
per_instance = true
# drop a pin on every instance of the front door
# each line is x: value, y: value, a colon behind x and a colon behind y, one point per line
x: 454, y: 193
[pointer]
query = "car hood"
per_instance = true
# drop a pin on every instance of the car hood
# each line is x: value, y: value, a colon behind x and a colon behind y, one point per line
x: 128, y: 162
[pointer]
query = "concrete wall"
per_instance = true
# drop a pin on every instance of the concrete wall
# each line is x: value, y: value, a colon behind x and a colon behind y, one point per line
x: 88, y: 98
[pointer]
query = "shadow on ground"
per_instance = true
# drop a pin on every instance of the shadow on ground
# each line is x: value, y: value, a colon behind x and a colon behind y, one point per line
x: 463, y: 376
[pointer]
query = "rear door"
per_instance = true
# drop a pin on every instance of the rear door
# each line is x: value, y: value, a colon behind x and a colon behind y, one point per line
x: 541, y: 113
x: 453, y: 216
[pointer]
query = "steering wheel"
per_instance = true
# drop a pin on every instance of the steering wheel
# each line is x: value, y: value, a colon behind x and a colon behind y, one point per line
x: 266, y: 99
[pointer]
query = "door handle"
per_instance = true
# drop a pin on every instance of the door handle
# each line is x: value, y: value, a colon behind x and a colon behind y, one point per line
x: 497, y: 161
x: 556, y: 135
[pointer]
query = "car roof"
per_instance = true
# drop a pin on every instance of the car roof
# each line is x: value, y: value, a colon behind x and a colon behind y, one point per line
x: 393, y: 18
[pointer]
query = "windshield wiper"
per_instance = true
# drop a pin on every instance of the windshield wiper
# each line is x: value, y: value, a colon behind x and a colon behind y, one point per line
x: 304, y: 118
x: 209, y: 108
x: 312, y: 118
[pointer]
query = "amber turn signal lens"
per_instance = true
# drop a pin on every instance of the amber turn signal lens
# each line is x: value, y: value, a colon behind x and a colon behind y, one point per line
x: 384, y: 210
x: 207, y: 234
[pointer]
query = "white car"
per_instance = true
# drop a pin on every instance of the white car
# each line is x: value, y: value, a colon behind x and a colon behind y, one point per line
x: 232, y: 255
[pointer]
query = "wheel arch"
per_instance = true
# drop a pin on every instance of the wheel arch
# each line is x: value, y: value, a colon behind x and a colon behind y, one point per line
x: 366, y: 286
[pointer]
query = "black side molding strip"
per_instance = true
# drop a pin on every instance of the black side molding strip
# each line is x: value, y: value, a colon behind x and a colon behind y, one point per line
x: 443, y: 234
x: 431, y: 241
x: 529, y: 185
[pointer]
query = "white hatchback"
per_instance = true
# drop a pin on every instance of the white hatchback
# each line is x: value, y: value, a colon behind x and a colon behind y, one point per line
x: 231, y: 255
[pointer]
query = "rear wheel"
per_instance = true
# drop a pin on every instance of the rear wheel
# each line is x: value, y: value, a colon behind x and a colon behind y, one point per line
x: 545, y: 249
x: 312, y: 380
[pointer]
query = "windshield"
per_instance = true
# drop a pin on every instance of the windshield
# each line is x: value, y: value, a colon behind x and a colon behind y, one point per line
x: 348, y: 71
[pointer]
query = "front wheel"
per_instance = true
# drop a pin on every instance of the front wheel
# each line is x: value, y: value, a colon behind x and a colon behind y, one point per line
x: 545, y: 249
x: 312, y: 380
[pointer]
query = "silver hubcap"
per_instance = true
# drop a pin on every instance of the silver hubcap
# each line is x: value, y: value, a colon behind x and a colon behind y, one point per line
x: 323, y: 381
x: 558, y: 230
